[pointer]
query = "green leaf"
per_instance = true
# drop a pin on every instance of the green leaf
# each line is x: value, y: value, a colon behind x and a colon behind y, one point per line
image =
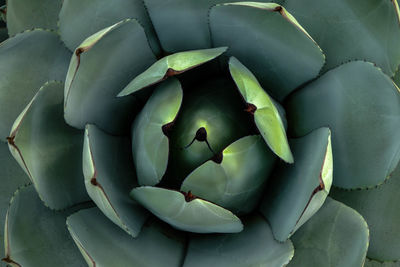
x: 187, y: 214
x: 361, y: 105
x: 109, y: 177
x: 12, y: 176
x: 80, y: 19
x: 49, y: 151
x: 103, y: 244
x: 380, y: 208
x: 37, y: 236
x: 238, y: 181
x: 101, y: 67
x: 396, y: 78
x: 150, y: 146
x: 181, y: 25
x: 269, y: 41
x: 297, y: 191
x: 372, y: 263
x: 266, y: 116
x: 19, y: 81
x: 254, y: 246
x: 169, y: 66
x: 29, y: 14
x: 335, y: 236
x: 216, y: 106
x: 352, y: 30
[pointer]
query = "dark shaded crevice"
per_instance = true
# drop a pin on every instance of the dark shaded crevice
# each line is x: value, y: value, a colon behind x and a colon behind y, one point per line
x: 185, y: 250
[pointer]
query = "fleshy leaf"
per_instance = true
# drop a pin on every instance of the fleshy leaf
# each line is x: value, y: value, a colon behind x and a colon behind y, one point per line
x: 185, y: 212
x: 361, y: 105
x: 103, y: 244
x: 171, y: 65
x: 215, y: 106
x: 237, y: 182
x: 352, y: 30
x: 19, y: 81
x: 297, y: 191
x: 37, y: 236
x: 48, y: 150
x: 270, y: 42
x: 181, y: 25
x: 109, y: 176
x: 373, y: 263
x: 380, y: 208
x: 254, y: 246
x: 101, y: 67
x: 150, y: 145
x: 266, y: 115
x: 80, y: 19
x: 12, y: 177
x: 29, y: 14
x: 335, y: 236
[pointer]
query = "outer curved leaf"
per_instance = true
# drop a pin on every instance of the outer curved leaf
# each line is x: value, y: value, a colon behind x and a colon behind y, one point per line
x: 255, y: 246
x: 239, y: 180
x: 48, y: 60
x: 36, y: 236
x: 49, y: 151
x: 109, y: 176
x: 299, y: 190
x: 335, y: 236
x: 29, y: 14
x: 171, y: 65
x: 193, y: 215
x: 352, y: 29
x: 12, y: 176
x: 103, y: 244
x: 182, y: 25
x: 380, y: 208
x: 267, y: 117
x: 80, y: 19
x: 150, y: 146
x: 361, y: 105
x: 269, y: 41
x: 101, y: 66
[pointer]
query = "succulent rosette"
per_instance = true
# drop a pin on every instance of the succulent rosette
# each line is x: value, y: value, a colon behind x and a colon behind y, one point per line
x: 200, y: 133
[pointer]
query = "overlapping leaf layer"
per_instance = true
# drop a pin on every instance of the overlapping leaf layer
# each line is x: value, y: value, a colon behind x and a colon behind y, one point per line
x: 200, y: 133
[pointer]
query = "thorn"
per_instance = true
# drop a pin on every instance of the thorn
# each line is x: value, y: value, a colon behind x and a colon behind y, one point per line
x: 251, y: 108
x: 218, y: 158
x: 94, y: 182
x: 167, y: 129
x: 10, y: 140
x: 189, y: 196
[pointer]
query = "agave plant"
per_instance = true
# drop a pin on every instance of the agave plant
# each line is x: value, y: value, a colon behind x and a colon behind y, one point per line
x: 200, y: 133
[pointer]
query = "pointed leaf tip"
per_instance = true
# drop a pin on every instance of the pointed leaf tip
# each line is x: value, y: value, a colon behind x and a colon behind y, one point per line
x: 170, y: 66
x: 186, y: 212
x: 266, y: 114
